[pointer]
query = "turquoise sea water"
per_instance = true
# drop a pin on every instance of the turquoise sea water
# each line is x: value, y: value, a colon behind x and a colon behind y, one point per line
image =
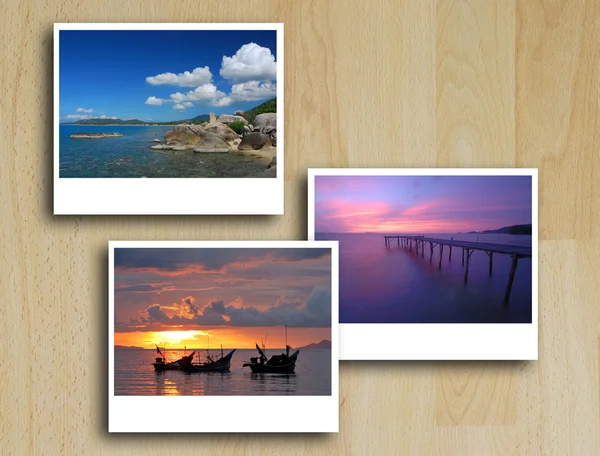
x: 130, y: 156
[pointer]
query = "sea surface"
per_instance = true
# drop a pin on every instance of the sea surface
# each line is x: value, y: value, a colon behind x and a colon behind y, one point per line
x: 135, y: 376
x: 130, y: 156
x: 393, y: 285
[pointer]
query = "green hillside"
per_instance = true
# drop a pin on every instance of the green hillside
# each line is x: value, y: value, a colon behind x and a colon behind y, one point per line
x: 267, y: 106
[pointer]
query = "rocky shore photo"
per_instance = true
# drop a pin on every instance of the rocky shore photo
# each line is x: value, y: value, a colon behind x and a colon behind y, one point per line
x: 181, y: 101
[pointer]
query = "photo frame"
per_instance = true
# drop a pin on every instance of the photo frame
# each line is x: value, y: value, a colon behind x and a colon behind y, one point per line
x: 434, y: 341
x: 111, y: 189
x: 298, y: 408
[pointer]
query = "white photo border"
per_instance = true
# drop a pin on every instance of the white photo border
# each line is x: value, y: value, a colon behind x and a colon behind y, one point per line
x: 225, y: 414
x: 440, y: 341
x: 163, y: 196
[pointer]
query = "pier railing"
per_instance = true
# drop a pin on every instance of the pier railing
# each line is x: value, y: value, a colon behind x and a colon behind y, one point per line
x: 515, y: 251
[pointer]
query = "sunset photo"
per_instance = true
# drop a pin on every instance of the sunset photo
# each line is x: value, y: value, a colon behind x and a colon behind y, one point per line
x: 429, y: 248
x: 222, y: 321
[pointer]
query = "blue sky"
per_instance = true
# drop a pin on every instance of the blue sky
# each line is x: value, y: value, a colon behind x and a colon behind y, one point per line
x: 164, y: 75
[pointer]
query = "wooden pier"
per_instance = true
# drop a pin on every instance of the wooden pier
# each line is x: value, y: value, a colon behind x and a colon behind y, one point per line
x: 419, y: 242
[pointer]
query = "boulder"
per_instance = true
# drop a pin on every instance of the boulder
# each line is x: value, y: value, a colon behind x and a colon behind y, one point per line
x: 273, y: 163
x: 238, y: 113
x: 227, y: 119
x: 254, y: 141
x: 246, y: 130
x: 187, y: 136
x: 211, y: 144
x: 160, y: 147
x: 262, y: 121
x: 184, y: 134
x: 211, y: 117
x: 221, y: 130
x: 156, y: 140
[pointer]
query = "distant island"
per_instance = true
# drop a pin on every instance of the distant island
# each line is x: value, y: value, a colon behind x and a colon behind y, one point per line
x: 266, y: 107
x: 513, y: 229
x: 124, y: 347
x: 95, y: 135
x: 321, y: 345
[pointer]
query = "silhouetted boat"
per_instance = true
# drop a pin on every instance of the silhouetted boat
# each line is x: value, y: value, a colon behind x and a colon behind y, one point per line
x: 278, y: 364
x: 161, y: 364
x: 222, y: 364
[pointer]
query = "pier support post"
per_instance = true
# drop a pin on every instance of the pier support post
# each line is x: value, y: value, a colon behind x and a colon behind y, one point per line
x: 441, y: 252
x: 410, y: 242
x: 463, y: 257
x: 469, y: 252
x: 450, y: 255
x: 430, y: 252
x: 491, y: 255
x: 422, y: 249
x: 511, y: 278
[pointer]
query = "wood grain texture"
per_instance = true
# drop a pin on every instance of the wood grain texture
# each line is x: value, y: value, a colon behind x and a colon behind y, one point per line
x: 391, y: 84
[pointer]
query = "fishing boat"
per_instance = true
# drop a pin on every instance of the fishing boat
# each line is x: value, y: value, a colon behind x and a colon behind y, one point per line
x: 221, y: 364
x: 278, y: 364
x: 161, y: 364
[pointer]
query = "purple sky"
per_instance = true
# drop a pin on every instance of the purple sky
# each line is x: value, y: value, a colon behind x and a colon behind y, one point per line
x: 420, y: 204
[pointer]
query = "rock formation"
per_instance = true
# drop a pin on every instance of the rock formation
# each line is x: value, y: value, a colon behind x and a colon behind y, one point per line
x: 254, y: 141
x: 238, y: 113
x: 266, y: 124
x: 262, y: 121
x: 227, y: 119
x: 187, y: 137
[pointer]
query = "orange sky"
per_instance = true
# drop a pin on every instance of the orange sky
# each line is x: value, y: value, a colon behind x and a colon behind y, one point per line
x: 238, y: 337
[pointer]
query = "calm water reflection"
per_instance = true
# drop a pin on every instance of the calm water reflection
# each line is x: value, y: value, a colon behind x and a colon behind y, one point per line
x: 135, y: 376
x: 392, y: 285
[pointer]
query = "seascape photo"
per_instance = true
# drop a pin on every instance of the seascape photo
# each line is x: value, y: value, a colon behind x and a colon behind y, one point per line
x: 430, y: 248
x: 222, y: 321
x: 168, y: 103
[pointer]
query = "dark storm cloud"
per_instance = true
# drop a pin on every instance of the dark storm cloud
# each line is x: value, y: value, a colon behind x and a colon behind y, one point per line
x: 209, y: 259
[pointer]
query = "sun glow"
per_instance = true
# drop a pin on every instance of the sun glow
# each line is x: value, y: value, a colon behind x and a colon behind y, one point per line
x: 173, y: 338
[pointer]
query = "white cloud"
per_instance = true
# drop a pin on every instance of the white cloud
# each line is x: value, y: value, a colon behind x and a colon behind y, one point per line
x: 77, y: 116
x: 155, y: 101
x: 188, y: 104
x: 179, y: 107
x: 203, y: 94
x: 196, y: 77
x: 84, y: 110
x: 253, y: 90
x: 225, y: 101
x: 250, y: 63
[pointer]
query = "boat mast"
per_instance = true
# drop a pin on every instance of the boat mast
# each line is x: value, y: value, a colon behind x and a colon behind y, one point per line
x: 287, y: 348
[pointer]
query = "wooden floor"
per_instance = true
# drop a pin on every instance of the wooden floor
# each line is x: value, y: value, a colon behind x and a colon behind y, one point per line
x: 396, y: 83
